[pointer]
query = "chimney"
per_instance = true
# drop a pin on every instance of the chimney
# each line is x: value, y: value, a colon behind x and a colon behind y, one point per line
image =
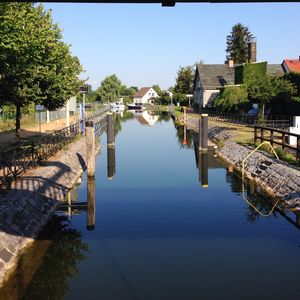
x: 252, y: 51
x: 230, y: 63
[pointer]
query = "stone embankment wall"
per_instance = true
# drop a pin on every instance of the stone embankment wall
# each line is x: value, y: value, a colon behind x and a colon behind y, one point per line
x: 32, y: 200
x: 274, y: 176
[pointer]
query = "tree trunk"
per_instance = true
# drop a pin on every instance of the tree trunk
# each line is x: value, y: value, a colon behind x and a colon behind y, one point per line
x: 18, y: 121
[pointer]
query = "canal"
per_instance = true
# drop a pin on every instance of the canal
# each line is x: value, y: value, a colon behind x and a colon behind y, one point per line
x: 167, y: 228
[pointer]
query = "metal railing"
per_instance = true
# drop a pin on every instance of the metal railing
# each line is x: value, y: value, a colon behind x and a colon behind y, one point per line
x: 272, y: 121
x: 18, y: 160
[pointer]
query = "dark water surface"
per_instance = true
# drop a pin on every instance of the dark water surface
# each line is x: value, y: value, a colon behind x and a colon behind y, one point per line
x: 160, y: 235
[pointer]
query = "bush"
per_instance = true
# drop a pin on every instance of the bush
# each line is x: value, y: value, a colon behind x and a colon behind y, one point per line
x: 233, y: 99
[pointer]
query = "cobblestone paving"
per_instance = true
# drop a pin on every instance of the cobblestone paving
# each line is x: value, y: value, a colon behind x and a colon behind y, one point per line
x: 32, y: 199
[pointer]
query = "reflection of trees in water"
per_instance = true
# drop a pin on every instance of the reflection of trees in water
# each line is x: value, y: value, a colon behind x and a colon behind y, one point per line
x: 254, y: 195
x: 163, y: 116
x: 127, y: 115
x: 60, y: 262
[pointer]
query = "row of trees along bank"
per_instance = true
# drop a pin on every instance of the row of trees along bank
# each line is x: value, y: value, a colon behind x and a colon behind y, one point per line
x: 36, y: 66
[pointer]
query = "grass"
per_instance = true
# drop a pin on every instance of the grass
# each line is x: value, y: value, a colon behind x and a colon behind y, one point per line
x: 243, y: 135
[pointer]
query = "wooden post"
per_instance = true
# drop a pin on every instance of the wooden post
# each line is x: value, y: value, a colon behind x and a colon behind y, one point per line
x: 110, y: 130
x: 204, y: 128
x: 199, y: 133
x: 298, y: 148
x: 272, y: 137
x: 111, y: 162
x: 91, y: 204
x: 90, y: 148
x: 261, y: 135
x: 283, y: 141
x: 204, y: 169
x: 255, y: 135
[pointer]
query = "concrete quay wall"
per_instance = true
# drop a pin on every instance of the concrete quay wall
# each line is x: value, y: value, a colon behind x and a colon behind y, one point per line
x: 32, y: 200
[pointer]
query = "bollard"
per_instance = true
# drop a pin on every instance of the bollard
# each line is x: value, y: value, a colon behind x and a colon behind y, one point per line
x: 91, y: 204
x: 204, y: 169
x: 90, y: 148
x: 204, y: 129
x: 200, y: 133
x: 111, y: 162
x: 110, y: 130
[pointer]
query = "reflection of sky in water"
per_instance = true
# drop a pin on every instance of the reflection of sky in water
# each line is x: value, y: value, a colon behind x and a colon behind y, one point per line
x: 159, y: 235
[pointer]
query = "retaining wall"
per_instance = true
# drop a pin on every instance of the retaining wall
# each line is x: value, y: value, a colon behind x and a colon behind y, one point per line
x: 32, y: 200
x: 276, y: 177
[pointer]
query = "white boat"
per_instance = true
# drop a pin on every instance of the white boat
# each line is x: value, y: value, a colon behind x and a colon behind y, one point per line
x: 117, y: 105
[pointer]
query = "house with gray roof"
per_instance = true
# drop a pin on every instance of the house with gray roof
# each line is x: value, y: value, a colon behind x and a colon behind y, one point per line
x: 209, y: 80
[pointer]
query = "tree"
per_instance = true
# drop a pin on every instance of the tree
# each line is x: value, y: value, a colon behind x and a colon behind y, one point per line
x: 35, y: 65
x: 125, y: 91
x: 237, y: 43
x: 109, y: 89
x: 233, y: 99
x: 184, y: 80
x: 263, y: 88
x: 157, y: 89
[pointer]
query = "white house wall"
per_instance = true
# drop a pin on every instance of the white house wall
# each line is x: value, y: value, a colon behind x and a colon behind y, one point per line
x: 150, y: 94
x: 209, y: 96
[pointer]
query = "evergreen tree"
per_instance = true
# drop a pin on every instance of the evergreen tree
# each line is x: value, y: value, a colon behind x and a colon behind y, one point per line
x: 184, y: 80
x: 237, y: 43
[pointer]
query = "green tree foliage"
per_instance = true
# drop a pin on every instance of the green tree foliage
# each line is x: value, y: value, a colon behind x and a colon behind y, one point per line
x: 109, y: 89
x: 184, y: 80
x: 244, y: 72
x: 294, y: 78
x: 134, y: 88
x: 35, y: 65
x: 264, y: 88
x: 125, y: 91
x: 233, y: 99
x: 237, y: 43
x: 157, y: 89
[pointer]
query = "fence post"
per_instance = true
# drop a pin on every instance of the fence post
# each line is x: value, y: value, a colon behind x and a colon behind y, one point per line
x: 90, y: 148
x: 261, y: 134
x: 255, y: 134
x: 272, y: 137
x: 298, y: 148
x: 283, y: 141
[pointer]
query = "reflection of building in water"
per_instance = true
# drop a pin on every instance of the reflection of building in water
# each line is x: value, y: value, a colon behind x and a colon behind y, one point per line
x: 145, y: 118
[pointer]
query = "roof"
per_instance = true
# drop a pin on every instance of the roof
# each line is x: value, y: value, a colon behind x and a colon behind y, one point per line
x: 215, y: 75
x: 274, y: 70
x: 293, y: 65
x: 142, y: 92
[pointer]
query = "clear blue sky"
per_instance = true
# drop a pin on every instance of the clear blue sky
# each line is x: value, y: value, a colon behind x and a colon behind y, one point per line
x: 144, y: 44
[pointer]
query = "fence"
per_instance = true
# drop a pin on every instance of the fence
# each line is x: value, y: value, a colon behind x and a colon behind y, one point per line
x: 271, y: 121
x: 277, y: 137
x: 16, y: 161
